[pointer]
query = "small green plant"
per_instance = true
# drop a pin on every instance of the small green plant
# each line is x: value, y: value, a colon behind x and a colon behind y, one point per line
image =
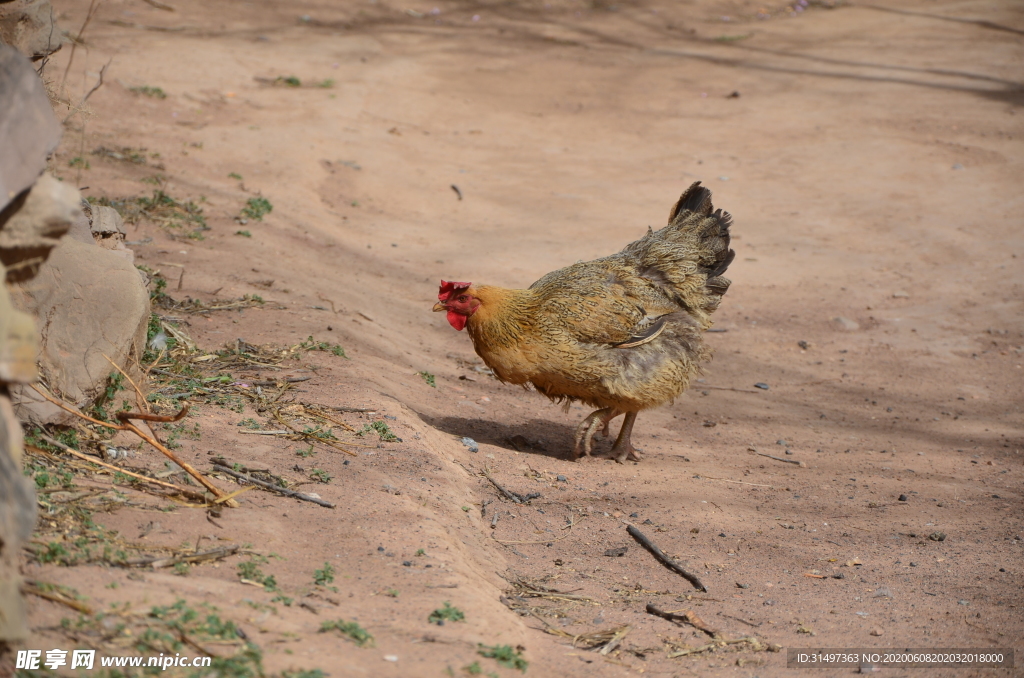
x: 291, y: 81
x: 256, y: 208
x: 312, y: 344
x: 429, y: 378
x: 304, y: 673
x: 504, y: 655
x: 306, y: 452
x: 182, y: 569
x: 79, y: 161
x: 249, y: 423
x: 391, y: 593
x: 235, y: 175
x: 351, y: 630
x: 283, y: 599
x: 382, y: 430
x: 320, y: 475
x: 319, y: 432
x: 250, y: 571
x: 54, y: 553
x: 244, y: 234
x: 421, y: 552
x: 146, y: 90
x: 446, y: 614
x: 473, y: 669
x: 324, y: 576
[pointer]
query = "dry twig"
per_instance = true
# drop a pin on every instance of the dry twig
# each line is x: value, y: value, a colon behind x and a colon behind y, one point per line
x: 270, y: 486
x: 665, y: 560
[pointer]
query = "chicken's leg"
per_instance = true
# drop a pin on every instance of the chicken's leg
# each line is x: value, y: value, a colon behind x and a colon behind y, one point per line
x: 585, y: 431
x: 623, y: 448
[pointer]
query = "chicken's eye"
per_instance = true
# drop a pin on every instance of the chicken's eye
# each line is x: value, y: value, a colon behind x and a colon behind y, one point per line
x: 463, y: 298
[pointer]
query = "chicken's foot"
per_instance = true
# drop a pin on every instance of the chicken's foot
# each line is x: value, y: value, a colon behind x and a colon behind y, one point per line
x: 588, y: 427
x: 623, y: 448
x: 585, y: 431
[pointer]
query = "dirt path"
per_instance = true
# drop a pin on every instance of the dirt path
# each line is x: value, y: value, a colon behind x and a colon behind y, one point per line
x: 872, y: 160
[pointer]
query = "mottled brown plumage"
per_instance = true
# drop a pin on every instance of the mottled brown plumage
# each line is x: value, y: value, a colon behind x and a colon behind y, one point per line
x: 622, y: 333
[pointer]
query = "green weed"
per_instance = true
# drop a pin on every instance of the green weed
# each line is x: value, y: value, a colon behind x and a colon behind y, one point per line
x: 446, y: 614
x: 351, y: 630
x: 504, y: 655
x: 382, y: 430
x: 256, y: 208
x: 146, y: 90
x: 324, y: 576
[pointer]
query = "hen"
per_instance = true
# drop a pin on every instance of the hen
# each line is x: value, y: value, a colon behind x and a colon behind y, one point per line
x: 623, y: 333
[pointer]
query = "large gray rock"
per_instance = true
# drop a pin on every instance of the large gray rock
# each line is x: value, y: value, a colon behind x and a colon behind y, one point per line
x: 90, y: 303
x: 29, y: 26
x: 35, y: 222
x: 29, y: 132
x: 17, y: 518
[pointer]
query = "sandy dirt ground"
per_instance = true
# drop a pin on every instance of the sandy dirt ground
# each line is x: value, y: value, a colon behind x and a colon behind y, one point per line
x: 872, y: 158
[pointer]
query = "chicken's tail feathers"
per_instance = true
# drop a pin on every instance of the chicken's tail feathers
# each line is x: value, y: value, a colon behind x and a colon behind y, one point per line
x: 694, y: 199
x: 689, y: 256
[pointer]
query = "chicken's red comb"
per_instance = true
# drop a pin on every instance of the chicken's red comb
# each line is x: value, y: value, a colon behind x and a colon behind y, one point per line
x: 449, y: 288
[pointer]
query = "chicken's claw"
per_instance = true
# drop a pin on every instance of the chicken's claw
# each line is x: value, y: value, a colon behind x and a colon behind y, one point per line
x: 585, y: 431
x: 623, y: 448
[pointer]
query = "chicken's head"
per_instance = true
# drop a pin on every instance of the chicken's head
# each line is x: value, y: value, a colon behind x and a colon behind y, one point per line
x: 455, y: 298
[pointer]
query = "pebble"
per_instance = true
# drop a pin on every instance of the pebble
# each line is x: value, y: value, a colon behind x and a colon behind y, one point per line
x: 562, y: 479
x: 876, y: 632
x: 761, y: 385
x: 742, y: 586
x: 391, y: 658
x: 904, y: 497
x: 470, y: 444
x: 963, y: 601
x: 634, y: 515
x: 937, y: 536
x: 406, y: 563
x: 846, y: 323
x: 781, y: 442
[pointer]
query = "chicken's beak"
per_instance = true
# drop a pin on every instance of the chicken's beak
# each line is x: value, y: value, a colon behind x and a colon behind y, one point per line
x: 439, y: 306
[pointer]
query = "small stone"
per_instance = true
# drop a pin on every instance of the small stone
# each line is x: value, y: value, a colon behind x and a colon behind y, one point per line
x: 846, y: 323
x: 406, y: 563
x: 721, y: 534
x: 781, y: 442
x: 562, y: 479
x: 803, y: 344
x: 963, y: 601
x: 899, y: 294
x: 381, y: 549
x: 789, y: 451
x: 761, y: 385
x: 470, y: 444
x: 903, y: 497
x: 913, y: 564
x: 876, y: 632
x: 742, y: 586
x: 769, y: 602
x: 634, y: 515
x: 937, y: 536
x: 648, y: 522
x: 390, y: 658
